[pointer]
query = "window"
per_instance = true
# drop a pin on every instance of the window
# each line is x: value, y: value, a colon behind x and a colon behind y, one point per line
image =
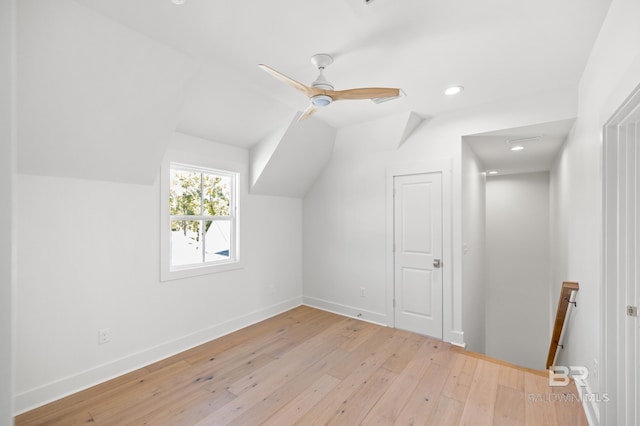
x: 202, y: 217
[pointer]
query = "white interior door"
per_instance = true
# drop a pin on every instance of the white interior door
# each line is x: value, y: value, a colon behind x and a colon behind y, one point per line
x: 418, y: 253
x: 622, y: 264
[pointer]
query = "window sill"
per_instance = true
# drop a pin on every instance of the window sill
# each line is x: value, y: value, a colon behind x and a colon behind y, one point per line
x: 169, y: 275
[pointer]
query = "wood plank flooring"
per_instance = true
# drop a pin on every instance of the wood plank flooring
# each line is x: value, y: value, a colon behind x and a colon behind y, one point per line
x: 310, y: 367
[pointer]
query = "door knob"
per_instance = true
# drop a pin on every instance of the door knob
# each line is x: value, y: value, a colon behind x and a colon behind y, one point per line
x: 437, y: 263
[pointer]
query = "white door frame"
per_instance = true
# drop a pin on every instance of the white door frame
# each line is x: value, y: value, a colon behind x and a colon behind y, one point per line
x: 442, y: 166
x: 615, y: 323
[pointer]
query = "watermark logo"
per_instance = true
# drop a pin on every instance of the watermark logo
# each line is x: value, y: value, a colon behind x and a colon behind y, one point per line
x: 560, y: 375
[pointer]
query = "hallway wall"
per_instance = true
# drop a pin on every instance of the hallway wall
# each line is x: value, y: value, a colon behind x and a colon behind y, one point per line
x: 473, y: 249
x: 7, y: 209
x: 610, y: 76
x: 518, y: 268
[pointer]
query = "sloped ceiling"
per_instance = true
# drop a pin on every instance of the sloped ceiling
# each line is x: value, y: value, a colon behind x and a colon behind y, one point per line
x: 288, y: 162
x: 96, y: 100
x: 102, y: 84
x: 290, y: 159
x: 497, y: 49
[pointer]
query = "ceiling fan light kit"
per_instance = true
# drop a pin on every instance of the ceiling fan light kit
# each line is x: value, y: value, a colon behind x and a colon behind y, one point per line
x: 321, y: 92
x: 321, y: 100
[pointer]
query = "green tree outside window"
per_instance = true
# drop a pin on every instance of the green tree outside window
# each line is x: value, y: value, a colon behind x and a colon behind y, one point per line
x: 197, y: 194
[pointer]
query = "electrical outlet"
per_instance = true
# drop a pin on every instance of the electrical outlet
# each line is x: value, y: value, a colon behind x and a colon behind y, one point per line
x: 104, y: 336
x: 362, y: 291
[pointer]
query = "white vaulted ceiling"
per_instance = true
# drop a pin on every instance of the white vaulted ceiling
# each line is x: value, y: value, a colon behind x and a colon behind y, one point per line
x: 495, y: 48
x: 146, y: 66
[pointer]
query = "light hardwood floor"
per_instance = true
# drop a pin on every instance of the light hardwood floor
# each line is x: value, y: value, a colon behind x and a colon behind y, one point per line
x: 310, y: 367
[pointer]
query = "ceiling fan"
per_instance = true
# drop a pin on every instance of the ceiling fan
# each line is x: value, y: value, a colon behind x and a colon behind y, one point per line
x: 321, y: 91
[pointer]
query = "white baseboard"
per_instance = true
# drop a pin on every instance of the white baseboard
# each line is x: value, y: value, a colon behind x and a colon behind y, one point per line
x: 456, y: 338
x: 589, y: 405
x: 60, y: 388
x: 345, y: 310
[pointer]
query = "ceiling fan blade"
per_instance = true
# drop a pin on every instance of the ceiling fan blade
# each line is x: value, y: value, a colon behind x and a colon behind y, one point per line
x: 291, y: 82
x: 307, y: 112
x: 364, y: 93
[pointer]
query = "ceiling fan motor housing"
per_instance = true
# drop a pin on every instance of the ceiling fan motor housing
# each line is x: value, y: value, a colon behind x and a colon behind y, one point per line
x: 320, y: 61
x: 321, y: 82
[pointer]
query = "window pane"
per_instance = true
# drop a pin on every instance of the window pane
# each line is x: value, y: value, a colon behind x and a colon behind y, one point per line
x: 217, y: 192
x: 184, y: 193
x: 185, y: 242
x: 217, y: 240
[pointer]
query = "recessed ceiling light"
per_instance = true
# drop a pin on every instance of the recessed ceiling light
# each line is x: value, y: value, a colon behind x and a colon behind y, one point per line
x: 453, y: 90
x: 178, y: 2
x: 522, y: 143
x: 492, y: 172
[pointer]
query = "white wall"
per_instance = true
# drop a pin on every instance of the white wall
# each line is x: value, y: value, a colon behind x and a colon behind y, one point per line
x: 473, y: 249
x: 344, y: 212
x: 7, y: 181
x: 89, y: 258
x: 518, y: 268
x: 611, y: 74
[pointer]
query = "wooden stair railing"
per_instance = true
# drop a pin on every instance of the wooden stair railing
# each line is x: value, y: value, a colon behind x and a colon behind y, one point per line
x: 563, y: 305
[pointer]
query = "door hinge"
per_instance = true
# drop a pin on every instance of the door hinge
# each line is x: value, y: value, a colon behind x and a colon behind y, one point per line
x: 394, y: 303
x: 632, y: 311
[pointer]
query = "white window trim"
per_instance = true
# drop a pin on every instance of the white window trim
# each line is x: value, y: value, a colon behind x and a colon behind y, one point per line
x: 169, y: 273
